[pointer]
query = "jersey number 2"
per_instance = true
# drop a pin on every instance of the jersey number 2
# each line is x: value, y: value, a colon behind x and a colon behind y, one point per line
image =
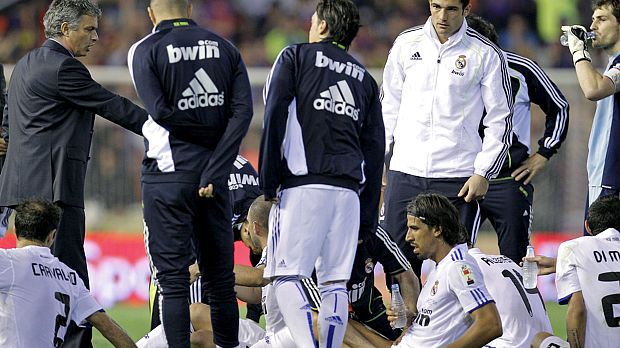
x: 610, y: 300
x: 61, y: 320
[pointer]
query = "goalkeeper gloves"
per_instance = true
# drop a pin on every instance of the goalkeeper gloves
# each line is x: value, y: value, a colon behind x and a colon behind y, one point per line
x: 576, y: 35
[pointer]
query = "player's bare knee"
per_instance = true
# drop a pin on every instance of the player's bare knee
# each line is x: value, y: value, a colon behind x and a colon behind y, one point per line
x: 201, y: 339
x: 200, y: 316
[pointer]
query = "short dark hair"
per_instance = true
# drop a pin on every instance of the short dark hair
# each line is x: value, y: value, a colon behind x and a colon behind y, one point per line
x: 70, y: 11
x: 342, y: 18
x: 614, y: 4
x: 604, y: 213
x: 484, y: 27
x: 35, y: 219
x: 435, y: 210
x: 465, y: 3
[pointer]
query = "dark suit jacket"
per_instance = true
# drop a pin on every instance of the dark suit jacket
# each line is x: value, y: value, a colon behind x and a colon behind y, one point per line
x: 52, y: 101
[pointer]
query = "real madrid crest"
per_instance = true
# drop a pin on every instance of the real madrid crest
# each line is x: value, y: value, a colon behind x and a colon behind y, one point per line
x: 434, y: 288
x: 461, y: 62
x: 369, y: 266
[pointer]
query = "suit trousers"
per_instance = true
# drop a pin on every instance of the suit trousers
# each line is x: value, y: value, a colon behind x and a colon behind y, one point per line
x: 69, y: 248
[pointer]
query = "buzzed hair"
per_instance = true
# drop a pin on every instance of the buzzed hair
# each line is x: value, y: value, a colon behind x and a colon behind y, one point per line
x: 259, y: 211
x: 177, y: 5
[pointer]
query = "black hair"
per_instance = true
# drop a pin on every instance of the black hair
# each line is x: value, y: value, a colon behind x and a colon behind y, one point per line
x: 614, y: 4
x: 484, y: 27
x: 604, y: 213
x: 35, y: 219
x: 342, y: 18
x: 435, y: 210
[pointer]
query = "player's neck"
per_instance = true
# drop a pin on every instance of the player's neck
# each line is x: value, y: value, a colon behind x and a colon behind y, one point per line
x: 441, y: 252
x: 21, y: 243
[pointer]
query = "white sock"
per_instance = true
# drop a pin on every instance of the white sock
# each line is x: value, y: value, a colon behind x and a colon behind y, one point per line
x: 154, y: 339
x: 333, y: 315
x: 295, y: 309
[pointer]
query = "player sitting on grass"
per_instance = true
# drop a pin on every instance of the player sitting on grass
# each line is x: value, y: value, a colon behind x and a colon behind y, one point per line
x: 39, y: 295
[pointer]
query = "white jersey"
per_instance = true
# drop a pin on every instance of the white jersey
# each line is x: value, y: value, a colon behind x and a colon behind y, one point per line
x: 522, y: 310
x: 453, y: 289
x: 39, y: 295
x: 592, y: 265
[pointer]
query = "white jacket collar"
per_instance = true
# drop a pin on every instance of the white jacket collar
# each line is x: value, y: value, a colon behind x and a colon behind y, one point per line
x: 429, y: 31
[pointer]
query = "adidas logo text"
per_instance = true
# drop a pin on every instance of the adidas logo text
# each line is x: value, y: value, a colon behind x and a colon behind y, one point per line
x: 416, y: 56
x: 339, y: 100
x: 205, y: 49
x: 347, y: 68
x: 201, y: 93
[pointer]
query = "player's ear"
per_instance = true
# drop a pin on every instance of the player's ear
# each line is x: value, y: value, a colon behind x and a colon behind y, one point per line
x: 323, y: 28
x: 437, y: 231
x: 190, y: 9
x: 50, y: 238
x: 149, y: 10
x: 587, y: 226
x: 466, y: 10
x: 64, y: 28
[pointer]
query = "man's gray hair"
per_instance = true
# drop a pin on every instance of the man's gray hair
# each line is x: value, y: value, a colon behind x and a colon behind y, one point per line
x: 70, y: 11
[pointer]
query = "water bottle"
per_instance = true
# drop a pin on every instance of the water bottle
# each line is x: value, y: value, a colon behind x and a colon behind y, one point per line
x: 398, y: 306
x: 589, y: 35
x: 530, y: 270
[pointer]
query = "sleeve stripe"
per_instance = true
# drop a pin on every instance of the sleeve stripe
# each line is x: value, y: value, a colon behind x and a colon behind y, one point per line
x: 268, y: 82
x: 195, y: 291
x: 393, y: 248
x: 130, y: 56
x: 476, y: 297
x: 499, y: 161
x: 555, y: 95
x: 482, y: 305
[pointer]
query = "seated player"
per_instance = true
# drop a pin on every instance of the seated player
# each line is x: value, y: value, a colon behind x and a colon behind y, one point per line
x: 521, y: 310
x: 455, y: 309
x: 588, y: 278
x: 366, y: 300
x: 39, y: 295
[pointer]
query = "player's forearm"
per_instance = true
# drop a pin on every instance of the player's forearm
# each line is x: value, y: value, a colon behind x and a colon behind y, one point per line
x: 249, y: 294
x: 594, y: 85
x: 576, y: 321
x: 249, y: 276
x: 111, y: 330
x: 486, y: 327
x: 410, y: 289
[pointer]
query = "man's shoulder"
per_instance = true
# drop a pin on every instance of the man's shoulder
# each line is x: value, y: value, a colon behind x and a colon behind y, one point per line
x: 410, y: 35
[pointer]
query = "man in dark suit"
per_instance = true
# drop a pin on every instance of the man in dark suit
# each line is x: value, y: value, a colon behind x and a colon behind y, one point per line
x: 52, y: 101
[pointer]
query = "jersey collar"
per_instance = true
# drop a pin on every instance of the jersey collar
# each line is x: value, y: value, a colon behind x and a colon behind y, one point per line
x: 174, y: 23
x: 610, y: 234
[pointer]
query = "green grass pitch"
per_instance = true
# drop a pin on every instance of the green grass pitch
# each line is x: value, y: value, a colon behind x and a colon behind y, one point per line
x: 135, y: 320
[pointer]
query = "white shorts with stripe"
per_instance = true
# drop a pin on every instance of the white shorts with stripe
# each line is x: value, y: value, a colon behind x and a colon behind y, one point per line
x: 313, y: 226
x: 250, y: 333
x: 279, y: 339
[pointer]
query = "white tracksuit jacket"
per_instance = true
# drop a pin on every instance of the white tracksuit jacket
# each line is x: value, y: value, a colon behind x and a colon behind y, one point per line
x: 434, y: 97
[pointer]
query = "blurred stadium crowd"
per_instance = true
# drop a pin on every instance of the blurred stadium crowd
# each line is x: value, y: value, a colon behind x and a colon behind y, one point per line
x: 260, y: 28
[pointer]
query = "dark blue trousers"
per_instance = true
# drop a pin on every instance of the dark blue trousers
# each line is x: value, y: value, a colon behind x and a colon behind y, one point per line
x: 174, y: 215
x: 403, y: 188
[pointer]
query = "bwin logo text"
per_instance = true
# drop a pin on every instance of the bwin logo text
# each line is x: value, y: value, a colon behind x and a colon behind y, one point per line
x: 347, y: 68
x: 205, y: 49
x: 201, y: 93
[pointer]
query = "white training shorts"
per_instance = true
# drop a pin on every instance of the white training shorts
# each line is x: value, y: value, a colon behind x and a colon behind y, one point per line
x: 554, y: 342
x: 313, y: 226
x: 280, y: 339
x: 249, y: 332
